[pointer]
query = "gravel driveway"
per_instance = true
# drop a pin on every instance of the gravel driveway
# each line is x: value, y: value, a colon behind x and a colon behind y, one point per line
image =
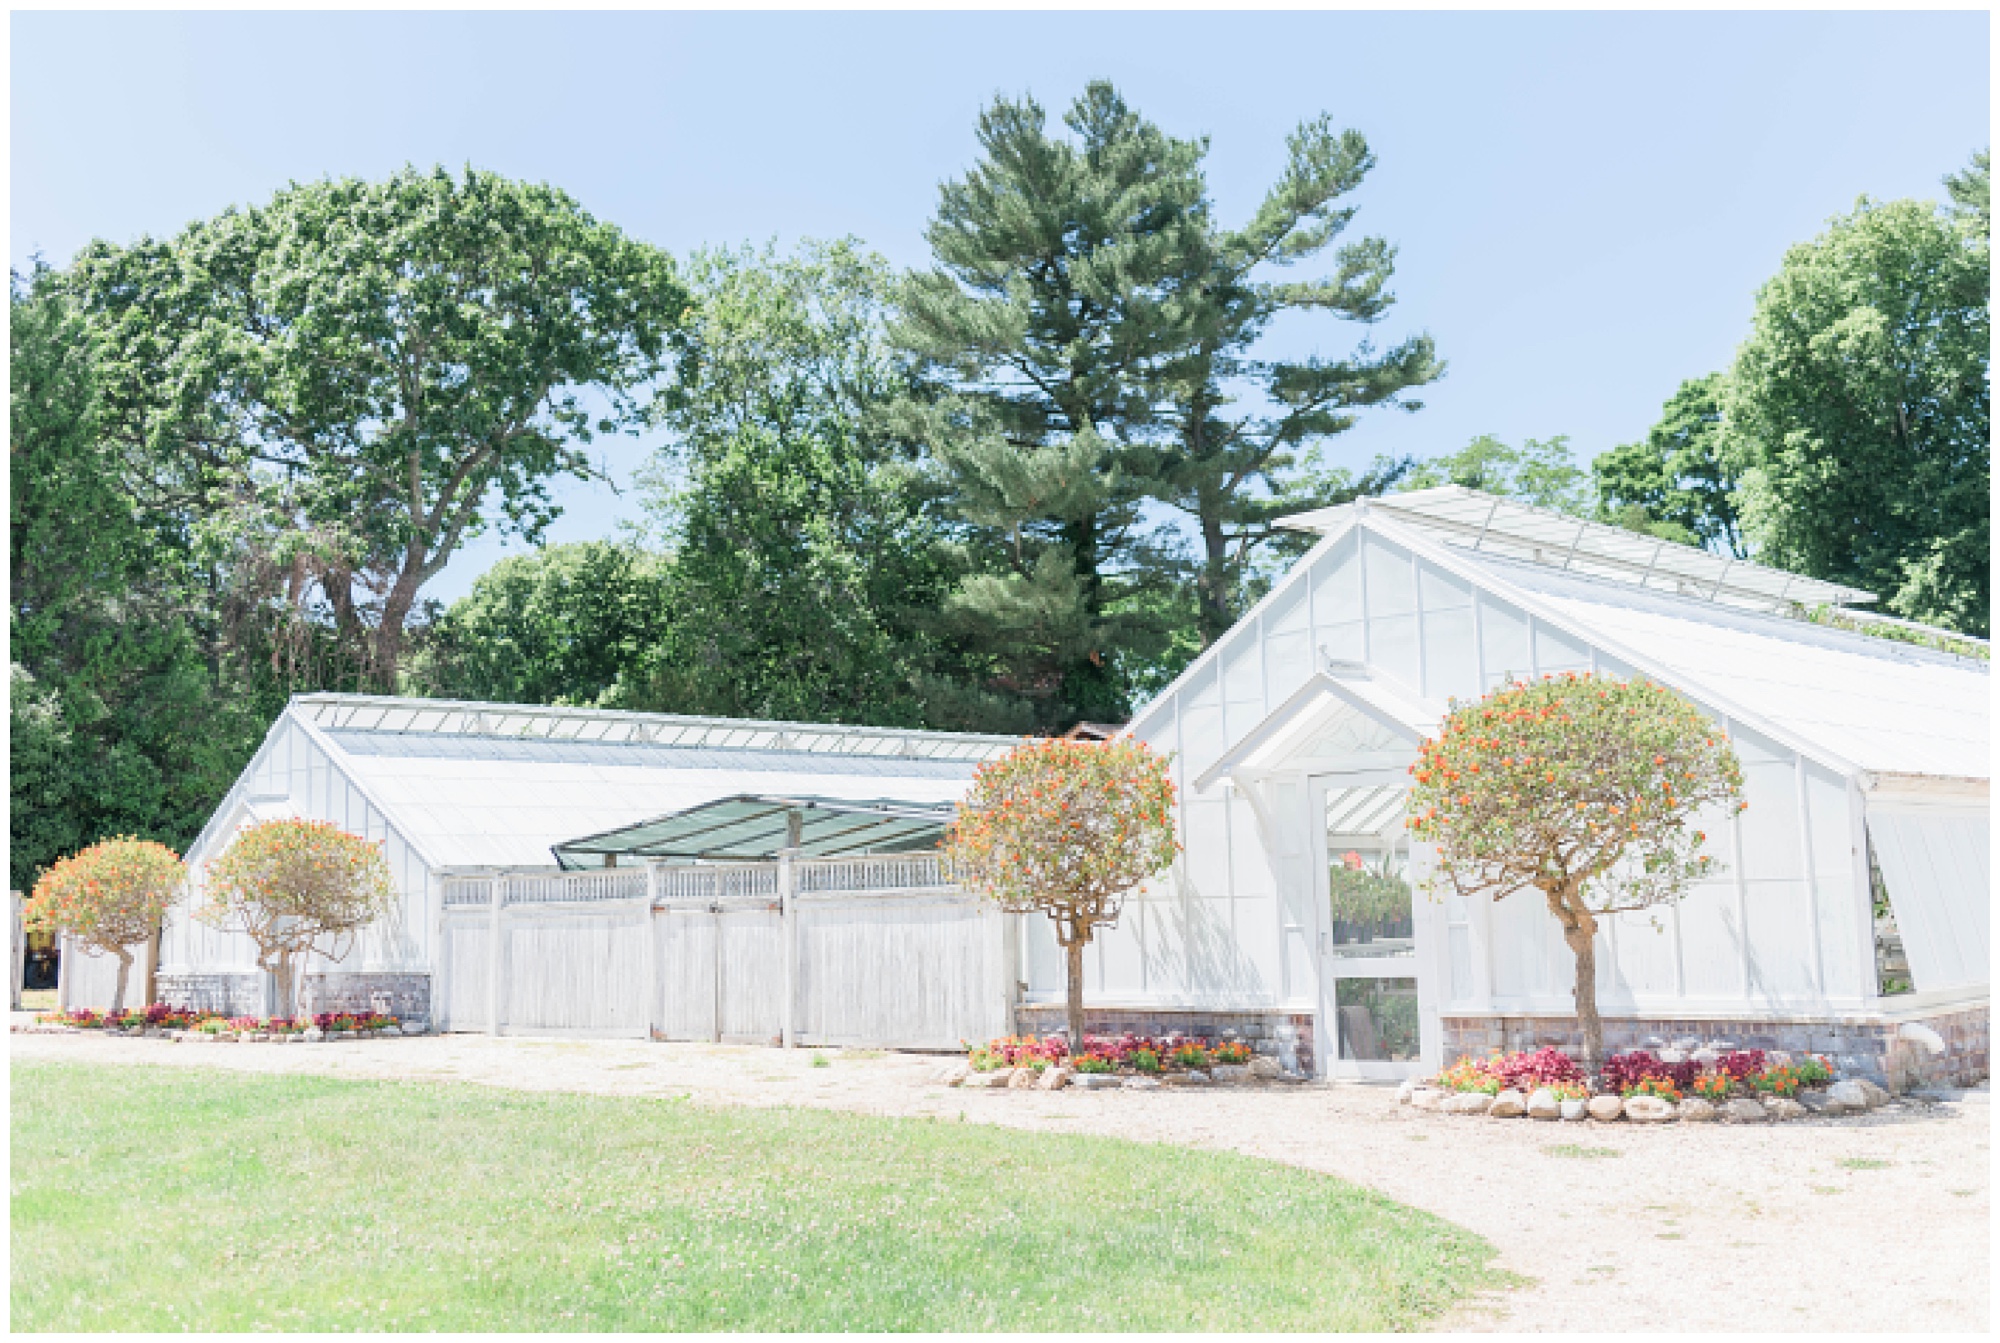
x: 1874, y: 1223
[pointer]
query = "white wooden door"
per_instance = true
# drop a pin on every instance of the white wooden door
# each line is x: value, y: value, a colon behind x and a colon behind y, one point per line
x: 1376, y: 1020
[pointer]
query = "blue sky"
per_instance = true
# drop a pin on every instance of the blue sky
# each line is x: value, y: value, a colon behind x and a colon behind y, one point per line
x: 1585, y: 204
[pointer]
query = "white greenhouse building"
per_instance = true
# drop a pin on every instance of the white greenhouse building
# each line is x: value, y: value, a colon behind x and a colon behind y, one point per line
x: 572, y: 870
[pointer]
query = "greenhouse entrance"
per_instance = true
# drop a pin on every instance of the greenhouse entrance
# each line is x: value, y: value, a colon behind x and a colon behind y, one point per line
x: 1372, y: 972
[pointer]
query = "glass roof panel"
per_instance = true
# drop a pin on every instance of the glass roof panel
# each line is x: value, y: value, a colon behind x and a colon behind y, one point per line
x: 754, y: 827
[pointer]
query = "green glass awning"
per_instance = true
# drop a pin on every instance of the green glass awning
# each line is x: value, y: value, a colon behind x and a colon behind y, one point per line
x: 754, y: 827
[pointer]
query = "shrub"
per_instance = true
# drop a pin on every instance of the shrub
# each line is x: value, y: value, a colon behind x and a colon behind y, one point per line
x: 1571, y: 1091
x: 1470, y: 1074
x: 1543, y: 1068
x: 1712, y: 1086
x: 296, y: 886
x: 1016, y: 1051
x: 1232, y: 1051
x: 1814, y: 1071
x: 1662, y: 1087
x: 1775, y: 1081
x: 1145, y: 1059
x: 1065, y: 829
x: 1582, y: 788
x: 1740, y: 1063
x: 1622, y: 1072
x: 1191, y: 1055
x: 1095, y: 1063
x: 109, y: 897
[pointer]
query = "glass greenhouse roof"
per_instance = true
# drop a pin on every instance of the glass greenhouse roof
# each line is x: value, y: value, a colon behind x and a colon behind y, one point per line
x: 754, y: 827
x: 1485, y: 523
x: 460, y: 718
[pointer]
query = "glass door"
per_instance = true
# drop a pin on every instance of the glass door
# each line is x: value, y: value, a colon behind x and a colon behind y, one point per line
x: 1369, y: 939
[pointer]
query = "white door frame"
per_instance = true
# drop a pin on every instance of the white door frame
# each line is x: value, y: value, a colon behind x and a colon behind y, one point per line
x: 1334, y: 968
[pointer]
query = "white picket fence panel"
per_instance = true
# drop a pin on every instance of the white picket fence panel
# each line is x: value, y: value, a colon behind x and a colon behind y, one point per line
x: 885, y: 954
x: 90, y: 979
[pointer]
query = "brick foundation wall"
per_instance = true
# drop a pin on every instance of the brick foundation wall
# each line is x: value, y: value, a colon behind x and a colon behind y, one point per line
x: 1870, y: 1049
x: 1265, y: 1032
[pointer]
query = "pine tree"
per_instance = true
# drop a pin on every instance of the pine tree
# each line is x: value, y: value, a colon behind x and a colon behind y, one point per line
x: 1240, y: 422
x: 1055, y: 304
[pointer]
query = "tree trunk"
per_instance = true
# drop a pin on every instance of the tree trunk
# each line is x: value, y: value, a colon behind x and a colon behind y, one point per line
x: 1074, y: 949
x: 124, y: 972
x: 152, y: 984
x: 283, y: 973
x: 1580, y: 931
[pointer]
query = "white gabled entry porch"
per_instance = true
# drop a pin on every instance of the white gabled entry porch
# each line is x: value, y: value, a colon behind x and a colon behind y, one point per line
x: 1325, y: 775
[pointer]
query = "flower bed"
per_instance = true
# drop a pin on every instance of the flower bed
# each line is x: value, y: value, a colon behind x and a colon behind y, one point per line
x: 180, y: 1023
x: 1688, y: 1084
x: 1137, y: 1059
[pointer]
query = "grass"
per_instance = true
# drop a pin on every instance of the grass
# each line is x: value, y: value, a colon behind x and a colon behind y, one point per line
x: 1863, y: 1163
x: 38, y: 1000
x: 156, y: 1199
x: 1578, y: 1150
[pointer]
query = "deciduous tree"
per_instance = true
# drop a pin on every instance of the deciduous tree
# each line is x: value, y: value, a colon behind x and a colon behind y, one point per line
x: 1677, y: 479
x: 1066, y: 829
x: 1859, y: 412
x: 1583, y: 788
x: 297, y: 887
x: 110, y: 898
x: 352, y: 379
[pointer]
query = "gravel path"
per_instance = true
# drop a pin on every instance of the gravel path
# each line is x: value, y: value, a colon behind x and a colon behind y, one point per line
x: 1683, y: 1227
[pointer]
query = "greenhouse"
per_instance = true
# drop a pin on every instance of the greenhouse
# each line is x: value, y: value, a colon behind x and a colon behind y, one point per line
x: 615, y: 873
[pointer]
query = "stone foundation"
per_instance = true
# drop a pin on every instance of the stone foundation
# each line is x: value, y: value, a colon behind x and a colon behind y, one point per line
x: 1858, y: 1048
x: 1267, y: 1033
x: 405, y: 996
x: 233, y: 995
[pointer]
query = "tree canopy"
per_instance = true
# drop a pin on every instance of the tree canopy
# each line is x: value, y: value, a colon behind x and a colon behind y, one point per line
x: 1583, y: 788
x: 353, y: 378
x: 1859, y: 412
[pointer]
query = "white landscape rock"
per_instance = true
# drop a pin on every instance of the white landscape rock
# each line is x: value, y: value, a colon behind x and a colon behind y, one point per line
x: 1604, y: 1109
x: 1851, y: 1094
x: 952, y: 1074
x: 1469, y: 1103
x: 1265, y: 1068
x: 1575, y: 1110
x: 1231, y: 1072
x: 1054, y: 1079
x: 1649, y: 1110
x: 1743, y: 1111
x: 1695, y: 1110
x: 1509, y: 1104
x: 1542, y: 1104
x: 1782, y: 1107
x: 1023, y: 1079
x: 1428, y: 1098
x: 1142, y: 1083
x: 1876, y: 1095
x: 1403, y: 1091
x: 1095, y: 1081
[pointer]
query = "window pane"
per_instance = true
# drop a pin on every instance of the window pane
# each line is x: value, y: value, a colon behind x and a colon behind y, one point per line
x: 1378, y: 1019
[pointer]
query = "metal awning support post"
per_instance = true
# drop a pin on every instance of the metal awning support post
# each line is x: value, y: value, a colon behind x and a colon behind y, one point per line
x: 788, y: 919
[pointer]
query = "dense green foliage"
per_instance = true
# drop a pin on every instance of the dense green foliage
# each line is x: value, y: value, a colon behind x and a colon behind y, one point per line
x: 1859, y: 412
x: 353, y: 378
x: 559, y: 625
x: 117, y: 645
x: 317, y: 1204
x: 1676, y: 483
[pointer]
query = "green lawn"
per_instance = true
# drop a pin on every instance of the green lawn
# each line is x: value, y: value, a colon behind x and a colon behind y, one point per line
x: 186, y: 1199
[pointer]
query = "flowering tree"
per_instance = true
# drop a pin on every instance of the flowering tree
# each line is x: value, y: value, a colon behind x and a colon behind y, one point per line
x: 1581, y: 787
x: 1066, y: 828
x: 297, y: 886
x: 108, y: 897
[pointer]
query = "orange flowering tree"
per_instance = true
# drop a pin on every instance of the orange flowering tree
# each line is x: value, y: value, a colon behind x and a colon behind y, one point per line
x: 110, y: 897
x: 298, y: 886
x: 1581, y: 787
x: 1066, y: 828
